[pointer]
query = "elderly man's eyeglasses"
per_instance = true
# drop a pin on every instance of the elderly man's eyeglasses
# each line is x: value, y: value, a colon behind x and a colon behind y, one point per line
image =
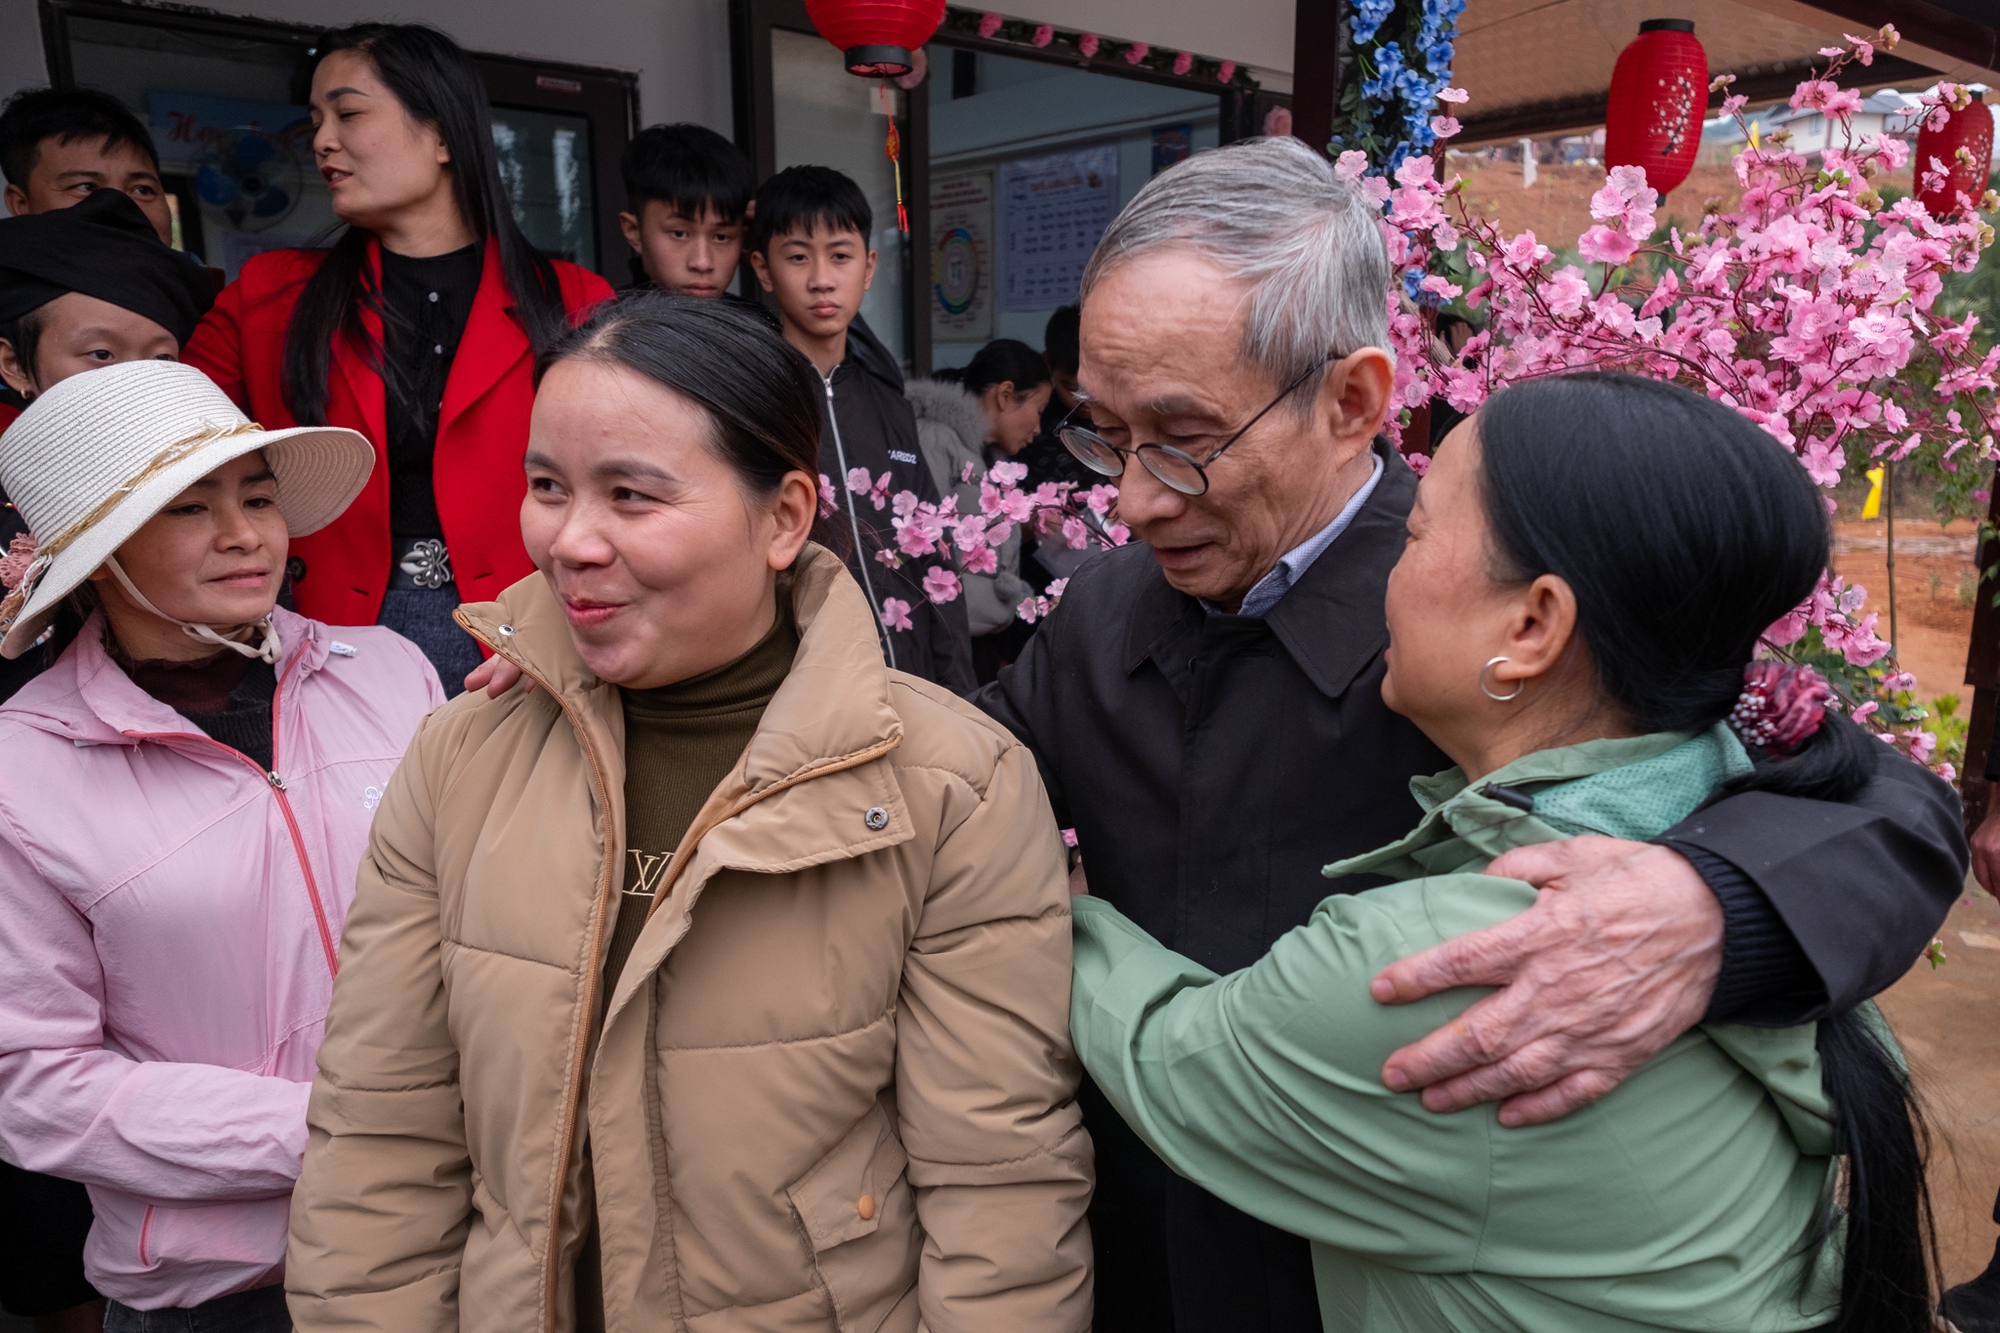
x: 1173, y: 467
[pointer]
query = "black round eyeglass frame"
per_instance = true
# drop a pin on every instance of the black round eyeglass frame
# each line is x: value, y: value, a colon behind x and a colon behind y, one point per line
x: 1109, y: 460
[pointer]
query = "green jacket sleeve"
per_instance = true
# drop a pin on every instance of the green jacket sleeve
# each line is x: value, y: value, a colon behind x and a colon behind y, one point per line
x: 1264, y: 1087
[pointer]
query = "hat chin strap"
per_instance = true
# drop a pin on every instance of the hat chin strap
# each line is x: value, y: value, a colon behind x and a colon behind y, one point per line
x: 267, y: 651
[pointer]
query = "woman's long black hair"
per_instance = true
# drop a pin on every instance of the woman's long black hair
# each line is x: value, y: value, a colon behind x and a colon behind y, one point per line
x: 1002, y: 361
x: 762, y: 397
x: 1685, y: 531
x: 437, y: 83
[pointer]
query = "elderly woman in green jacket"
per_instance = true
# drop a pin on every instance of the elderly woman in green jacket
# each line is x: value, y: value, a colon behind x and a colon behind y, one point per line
x: 1591, y: 563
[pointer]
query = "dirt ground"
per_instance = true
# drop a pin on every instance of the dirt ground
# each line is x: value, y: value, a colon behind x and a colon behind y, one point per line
x: 1945, y: 1021
x: 1945, y: 1017
x: 1934, y: 598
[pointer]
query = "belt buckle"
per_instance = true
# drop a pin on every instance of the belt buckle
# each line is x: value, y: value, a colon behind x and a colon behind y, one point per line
x: 427, y: 564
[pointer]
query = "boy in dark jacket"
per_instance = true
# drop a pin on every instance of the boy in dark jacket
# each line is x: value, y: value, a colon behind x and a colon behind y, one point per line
x: 809, y: 248
x: 687, y: 199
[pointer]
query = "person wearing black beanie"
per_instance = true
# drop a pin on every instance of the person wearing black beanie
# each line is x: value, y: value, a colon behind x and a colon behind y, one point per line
x: 91, y: 286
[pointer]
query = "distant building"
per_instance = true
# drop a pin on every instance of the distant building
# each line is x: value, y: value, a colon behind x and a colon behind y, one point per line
x: 1883, y: 112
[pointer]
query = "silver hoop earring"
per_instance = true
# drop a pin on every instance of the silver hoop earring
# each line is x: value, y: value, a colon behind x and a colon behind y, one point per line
x: 1519, y: 685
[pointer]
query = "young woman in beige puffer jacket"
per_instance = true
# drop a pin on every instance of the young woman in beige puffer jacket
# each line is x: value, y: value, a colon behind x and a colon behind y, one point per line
x: 830, y: 1086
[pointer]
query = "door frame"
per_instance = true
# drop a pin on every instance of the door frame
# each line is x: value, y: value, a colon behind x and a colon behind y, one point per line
x: 754, y: 95
x: 607, y: 98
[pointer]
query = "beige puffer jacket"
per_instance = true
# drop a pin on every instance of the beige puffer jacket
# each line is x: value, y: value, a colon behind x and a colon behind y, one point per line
x: 834, y: 1089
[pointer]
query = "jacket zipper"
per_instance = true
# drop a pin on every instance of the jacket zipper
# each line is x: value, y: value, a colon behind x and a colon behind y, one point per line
x: 278, y: 792
x: 573, y: 1094
x: 854, y: 522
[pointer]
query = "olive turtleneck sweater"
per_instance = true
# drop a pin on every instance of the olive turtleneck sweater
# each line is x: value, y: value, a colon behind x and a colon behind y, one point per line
x: 681, y: 740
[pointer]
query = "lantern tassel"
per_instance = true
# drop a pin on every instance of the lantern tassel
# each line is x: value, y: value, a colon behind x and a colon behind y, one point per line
x: 893, y: 150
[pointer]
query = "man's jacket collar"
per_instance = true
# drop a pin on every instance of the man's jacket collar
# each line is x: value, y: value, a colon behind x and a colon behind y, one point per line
x: 1331, y: 621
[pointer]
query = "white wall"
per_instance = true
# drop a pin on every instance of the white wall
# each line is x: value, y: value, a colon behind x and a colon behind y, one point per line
x: 680, y: 48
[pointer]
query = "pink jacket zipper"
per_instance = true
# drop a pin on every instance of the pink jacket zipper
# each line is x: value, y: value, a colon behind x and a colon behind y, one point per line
x: 277, y: 786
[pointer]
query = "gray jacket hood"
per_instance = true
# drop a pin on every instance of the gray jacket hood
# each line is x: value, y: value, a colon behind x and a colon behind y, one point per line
x: 952, y: 407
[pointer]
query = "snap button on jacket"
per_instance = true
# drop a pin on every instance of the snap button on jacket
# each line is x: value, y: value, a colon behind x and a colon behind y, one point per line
x: 834, y: 1085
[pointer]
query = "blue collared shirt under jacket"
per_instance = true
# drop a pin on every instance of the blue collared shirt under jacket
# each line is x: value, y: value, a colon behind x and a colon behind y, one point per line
x: 1293, y: 564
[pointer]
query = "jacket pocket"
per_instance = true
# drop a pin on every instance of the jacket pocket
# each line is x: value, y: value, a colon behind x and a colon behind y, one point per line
x: 859, y: 1213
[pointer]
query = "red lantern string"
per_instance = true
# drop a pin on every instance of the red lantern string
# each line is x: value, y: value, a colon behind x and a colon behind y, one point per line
x: 893, y: 150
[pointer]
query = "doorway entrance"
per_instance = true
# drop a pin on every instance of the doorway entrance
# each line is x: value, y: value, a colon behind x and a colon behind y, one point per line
x: 1014, y: 162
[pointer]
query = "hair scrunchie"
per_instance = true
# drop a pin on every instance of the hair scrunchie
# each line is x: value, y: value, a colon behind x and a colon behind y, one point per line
x: 1780, y: 707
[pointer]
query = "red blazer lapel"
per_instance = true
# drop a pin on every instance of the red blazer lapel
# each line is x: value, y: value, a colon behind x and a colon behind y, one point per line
x: 490, y: 346
x: 364, y: 383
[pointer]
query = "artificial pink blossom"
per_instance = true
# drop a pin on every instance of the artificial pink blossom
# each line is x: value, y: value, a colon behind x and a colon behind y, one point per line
x: 1601, y: 245
x: 1183, y: 62
x: 1225, y: 71
x: 896, y: 614
x: 1444, y: 127
x: 1137, y: 52
x: 983, y: 560
x: 1043, y: 35
x: 989, y: 24
x: 829, y: 500
x: 19, y: 560
x: 940, y: 584
x: 1087, y: 45
x: 1453, y: 95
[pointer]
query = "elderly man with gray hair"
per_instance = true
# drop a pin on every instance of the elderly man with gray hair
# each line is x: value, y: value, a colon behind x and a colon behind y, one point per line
x: 1207, y: 713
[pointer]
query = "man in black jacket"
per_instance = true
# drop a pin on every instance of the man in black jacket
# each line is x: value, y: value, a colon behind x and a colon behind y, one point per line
x: 809, y: 246
x: 1206, y: 710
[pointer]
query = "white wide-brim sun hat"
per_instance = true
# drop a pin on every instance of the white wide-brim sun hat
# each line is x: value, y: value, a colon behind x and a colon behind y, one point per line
x: 99, y: 454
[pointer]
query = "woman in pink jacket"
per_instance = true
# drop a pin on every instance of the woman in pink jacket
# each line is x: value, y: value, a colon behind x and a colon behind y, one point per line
x: 185, y: 798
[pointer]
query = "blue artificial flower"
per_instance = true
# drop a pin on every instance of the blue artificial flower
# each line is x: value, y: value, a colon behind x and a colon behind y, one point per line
x: 1397, y: 156
x: 1438, y: 55
x: 1388, y: 71
x: 1420, y: 132
x: 1415, y: 90
x: 1369, y: 16
x: 1412, y: 284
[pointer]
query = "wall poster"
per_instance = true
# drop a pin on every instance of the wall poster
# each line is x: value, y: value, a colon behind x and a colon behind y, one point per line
x: 1052, y: 211
x: 962, y: 268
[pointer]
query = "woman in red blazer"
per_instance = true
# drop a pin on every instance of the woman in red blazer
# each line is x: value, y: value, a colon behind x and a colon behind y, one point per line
x: 418, y: 328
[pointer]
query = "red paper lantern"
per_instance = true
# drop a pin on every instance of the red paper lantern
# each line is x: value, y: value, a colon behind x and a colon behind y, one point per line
x: 1659, y: 90
x: 1970, y: 129
x: 876, y: 36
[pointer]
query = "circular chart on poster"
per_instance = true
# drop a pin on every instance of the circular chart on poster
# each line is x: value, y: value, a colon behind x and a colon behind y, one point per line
x: 955, y: 271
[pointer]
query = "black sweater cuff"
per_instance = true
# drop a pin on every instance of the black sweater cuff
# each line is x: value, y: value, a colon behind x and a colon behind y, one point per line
x: 1766, y: 979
